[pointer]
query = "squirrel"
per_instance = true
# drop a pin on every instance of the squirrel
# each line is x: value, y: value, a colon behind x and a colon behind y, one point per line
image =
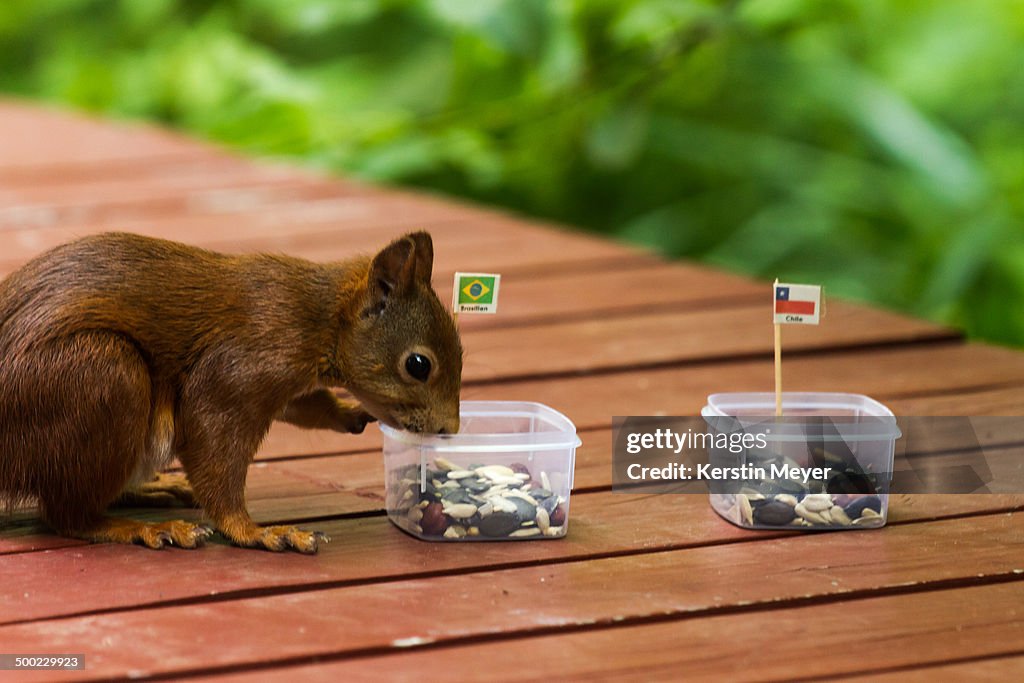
x: 119, y: 353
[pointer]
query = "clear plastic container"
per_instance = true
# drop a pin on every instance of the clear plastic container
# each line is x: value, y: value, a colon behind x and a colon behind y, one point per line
x: 506, y: 475
x: 849, y: 438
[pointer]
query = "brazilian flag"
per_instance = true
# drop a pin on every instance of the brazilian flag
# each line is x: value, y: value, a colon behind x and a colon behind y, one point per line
x: 476, y: 289
x: 476, y: 292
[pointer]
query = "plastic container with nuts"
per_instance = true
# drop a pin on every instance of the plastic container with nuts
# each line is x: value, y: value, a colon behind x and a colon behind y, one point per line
x: 506, y: 475
x: 826, y: 465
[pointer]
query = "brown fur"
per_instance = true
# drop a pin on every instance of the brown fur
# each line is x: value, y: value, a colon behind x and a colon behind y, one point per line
x: 120, y: 352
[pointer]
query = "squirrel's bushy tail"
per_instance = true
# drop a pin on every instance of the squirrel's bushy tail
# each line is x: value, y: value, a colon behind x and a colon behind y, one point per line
x: 13, y: 484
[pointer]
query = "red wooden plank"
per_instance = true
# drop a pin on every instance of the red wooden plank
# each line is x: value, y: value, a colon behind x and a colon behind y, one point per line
x: 622, y: 342
x: 356, y: 480
x: 284, y: 488
x: 617, y: 290
x: 61, y: 174
x: 675, y: 391
x: 678, y: 584
x: 258, y: 205
x: 370, y: 549
x: 997, y: 668
x: 500, y: 251
x: 364, y: 472
x: 157, y: 201
x: 362, y: 549
x: 191, y: 208
x: 1007, y: 400
x: 883, y: 373
x: 630, y: 341
x: 893, y: 376
x: 34, y: 136
x: 812, y: 643
x: 182, y: 177
x: 554, y: 295
x: 335, y: 485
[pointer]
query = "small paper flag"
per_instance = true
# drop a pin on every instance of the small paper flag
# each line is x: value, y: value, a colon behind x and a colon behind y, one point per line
x: 799, y: 304
x: 476, y: 293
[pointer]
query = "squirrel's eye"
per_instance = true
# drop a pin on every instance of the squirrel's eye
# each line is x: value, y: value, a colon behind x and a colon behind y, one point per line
x: 418, y: 366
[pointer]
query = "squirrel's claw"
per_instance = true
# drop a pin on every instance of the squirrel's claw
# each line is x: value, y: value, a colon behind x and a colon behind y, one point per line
x: 278, y: 538
x: 175, y: 533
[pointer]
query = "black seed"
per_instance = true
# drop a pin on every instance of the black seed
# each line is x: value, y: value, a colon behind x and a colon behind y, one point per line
x: 499, y: 524
x: 855, y: 508
x: 524, y: 509
x: 474, y: 485
x: 458, y: 496
x: 774, y: 513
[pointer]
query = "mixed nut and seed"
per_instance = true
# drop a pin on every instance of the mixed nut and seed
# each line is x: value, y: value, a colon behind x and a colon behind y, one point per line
x: 477, y: 501
x: 847, y: 499
x: 753, y: 508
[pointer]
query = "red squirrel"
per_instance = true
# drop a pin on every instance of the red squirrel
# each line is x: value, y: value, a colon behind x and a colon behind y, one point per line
x: 119, y: 353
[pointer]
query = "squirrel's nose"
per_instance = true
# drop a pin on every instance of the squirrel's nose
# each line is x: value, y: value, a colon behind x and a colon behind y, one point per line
x: 450, y: 426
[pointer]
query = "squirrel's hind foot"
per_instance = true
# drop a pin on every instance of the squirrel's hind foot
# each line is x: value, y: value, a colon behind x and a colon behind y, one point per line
x: 178, y: 533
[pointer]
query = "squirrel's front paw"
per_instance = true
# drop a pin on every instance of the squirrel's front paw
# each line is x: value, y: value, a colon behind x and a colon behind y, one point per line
x: 278, y: 538
x: 356, y: 419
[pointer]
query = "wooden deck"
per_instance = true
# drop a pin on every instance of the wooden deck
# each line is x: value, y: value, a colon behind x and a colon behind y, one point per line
x: 643, y: 587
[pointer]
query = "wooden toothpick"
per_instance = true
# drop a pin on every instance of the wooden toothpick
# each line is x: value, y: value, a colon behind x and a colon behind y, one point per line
x: 778, y: 362
x: 778, y: 370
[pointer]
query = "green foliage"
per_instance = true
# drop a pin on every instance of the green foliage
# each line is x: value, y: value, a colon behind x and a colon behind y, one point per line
x: 871, y: 145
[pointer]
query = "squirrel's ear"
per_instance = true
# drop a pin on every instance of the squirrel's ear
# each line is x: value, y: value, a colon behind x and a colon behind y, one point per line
x: 423, y: 255
x: 400, y: 264
x: 392, y: 269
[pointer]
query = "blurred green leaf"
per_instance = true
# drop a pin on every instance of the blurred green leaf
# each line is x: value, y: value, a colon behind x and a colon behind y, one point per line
x: 873, y: 146
x: 617, y: 136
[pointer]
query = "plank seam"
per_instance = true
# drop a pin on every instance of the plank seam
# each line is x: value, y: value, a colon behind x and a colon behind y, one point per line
x: 604, y: 625
x: 918, y: 667
x: 380, y: 512
x: 940, y: 337
x: 732, y: 302
x: 271, y: 591
x: 952, y: 391
x: 113, y: 168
